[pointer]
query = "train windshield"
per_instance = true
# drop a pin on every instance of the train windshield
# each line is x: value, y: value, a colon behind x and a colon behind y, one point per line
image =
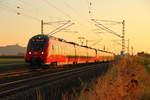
x: 37, y: 43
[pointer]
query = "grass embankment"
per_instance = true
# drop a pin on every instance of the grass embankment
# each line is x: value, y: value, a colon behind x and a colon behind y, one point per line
x: 128, y: 79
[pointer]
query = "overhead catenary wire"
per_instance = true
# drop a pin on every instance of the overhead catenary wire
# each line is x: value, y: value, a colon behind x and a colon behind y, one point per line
x: 118, y: 43
x: 108, y: 23
x: 18, y: 11
x: 65, y: 14
x: 18, y: 8
x: 112, y: 21
x: 91, y: 14
x: 77, y: 15
x: 101, y: 26
x: 38, y: 11
x: 28, y: 7
x: 21, y: 12
x: 107, y: 29
x: 73, y: 10
x: 24, y: 2
x: 59, y: 27
x: 96, y: 42
x: 9, y: 9
x: 65, y: 24
x: 59, y: 10
x: 58, y: 30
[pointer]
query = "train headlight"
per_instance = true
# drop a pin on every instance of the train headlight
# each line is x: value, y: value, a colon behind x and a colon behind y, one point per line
x: 30, y: 53
x: 42, y: 52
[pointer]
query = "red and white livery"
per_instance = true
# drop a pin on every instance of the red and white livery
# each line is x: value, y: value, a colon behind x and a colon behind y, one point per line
x: 44, y: 49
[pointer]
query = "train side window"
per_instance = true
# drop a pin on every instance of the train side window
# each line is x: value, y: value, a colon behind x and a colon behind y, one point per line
x: 62, y: 49
x: 53, y: 47
x: 66, y: 50
x: 59, y: 50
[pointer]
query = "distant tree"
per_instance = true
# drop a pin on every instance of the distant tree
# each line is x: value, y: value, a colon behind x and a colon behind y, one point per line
x: 143, y: 54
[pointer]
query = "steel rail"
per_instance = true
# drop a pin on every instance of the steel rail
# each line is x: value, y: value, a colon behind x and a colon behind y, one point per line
x: 41, y: 79
x: 2, y: 75
x: 38, y: 77
x: 11, y: 64
x: 22, y: 72
x: 26, y: 71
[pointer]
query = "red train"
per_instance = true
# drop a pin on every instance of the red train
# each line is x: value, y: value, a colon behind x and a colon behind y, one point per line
x: 43, y: 49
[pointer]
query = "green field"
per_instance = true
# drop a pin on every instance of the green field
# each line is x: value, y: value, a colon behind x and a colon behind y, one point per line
x: 11, y: 68
x: 11, y: 60
x: 6, y: 61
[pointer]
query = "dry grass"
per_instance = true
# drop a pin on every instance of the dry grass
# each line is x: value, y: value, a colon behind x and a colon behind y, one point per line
x: 126, y: 80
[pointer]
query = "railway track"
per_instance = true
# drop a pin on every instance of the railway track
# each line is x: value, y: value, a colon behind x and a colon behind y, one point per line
x: 23, y: 84
x: 27, y: 73
x: 3, y: 65
x: 14, y: 73
x: 22, y: 72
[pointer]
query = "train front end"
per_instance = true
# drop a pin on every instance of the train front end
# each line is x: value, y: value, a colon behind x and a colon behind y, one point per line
x: 37, y: 50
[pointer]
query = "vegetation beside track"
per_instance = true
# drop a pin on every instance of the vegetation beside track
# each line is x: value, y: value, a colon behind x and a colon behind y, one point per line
x: 127, y: 79
x: 146, y: 63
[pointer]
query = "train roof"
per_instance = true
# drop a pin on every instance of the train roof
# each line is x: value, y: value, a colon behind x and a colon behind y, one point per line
x: 106, y: 51
x: 62, y: 40
x: 40, y: 36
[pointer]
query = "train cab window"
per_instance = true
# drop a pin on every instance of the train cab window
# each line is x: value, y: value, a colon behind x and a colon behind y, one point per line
x: 37, y: 44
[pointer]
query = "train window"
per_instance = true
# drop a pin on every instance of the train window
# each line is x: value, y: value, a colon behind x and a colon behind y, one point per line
x: 66, y: 50
x: 62, y: 50
x: 52, y: 47
x: 58, y: 49
x: 55, y: 49
x: 37, y: 44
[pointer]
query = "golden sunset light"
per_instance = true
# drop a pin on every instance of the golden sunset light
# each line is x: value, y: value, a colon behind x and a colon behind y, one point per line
x: 21, y: 19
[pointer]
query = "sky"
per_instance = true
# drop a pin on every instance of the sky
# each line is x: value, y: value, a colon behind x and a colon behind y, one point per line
x: 21, y: 19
